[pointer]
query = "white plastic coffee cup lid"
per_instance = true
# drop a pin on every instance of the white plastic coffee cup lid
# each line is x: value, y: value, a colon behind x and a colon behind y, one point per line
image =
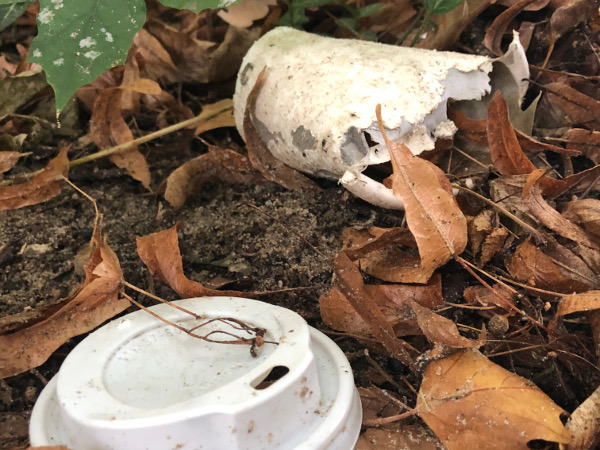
x: 141, y: 383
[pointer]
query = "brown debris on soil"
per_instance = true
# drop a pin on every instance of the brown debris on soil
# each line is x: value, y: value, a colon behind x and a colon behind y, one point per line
x: 471, y: 320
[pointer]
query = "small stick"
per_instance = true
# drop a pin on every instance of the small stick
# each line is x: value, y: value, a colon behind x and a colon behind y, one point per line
x: 194, y: 121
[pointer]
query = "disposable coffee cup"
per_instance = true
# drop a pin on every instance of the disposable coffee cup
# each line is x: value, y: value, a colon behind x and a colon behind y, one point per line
x: 140, y: 383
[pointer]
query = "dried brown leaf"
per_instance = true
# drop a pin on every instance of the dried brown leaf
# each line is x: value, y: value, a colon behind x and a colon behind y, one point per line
x: 586, y: 213
x: 581, y: 108
x: 486, y: 238
x: 394, y: 17
x: 350, y: 284
x: 494, y: 34
x: 9, y: 159
x: 260, y: 156
x: 43, y: 187
x: 573, y: 303
x: 392, y: 300
x: 470, y: 402
x: 570, y: 14
x: 506, y: 191
x: 584, y: 424
x: 441, y: 331
x: 432, y: 214
x: 398, y: 436
x: 176, y: 54
x: 532, y: 196
x: 108, y: 128
x: 585, y: 141
x: 160, y: 253
x: 483, y: 296
x: 88, y: 93
x: 532, y: 266
x: 476, y: 131
x: 535, y: 6
x: 375, y: 403
x: 385, y: 253
x: 507, y: 155
x: 27, y: 340
x: 217, y: 164
x: 493, y: 243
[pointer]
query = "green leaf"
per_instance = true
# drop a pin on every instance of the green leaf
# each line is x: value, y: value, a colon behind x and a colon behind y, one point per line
x: 366, y: 11
x: 80, y: 39
x: 311, y: 3
x: 347, y: 22
x: 11, y: 11
x: 198, y: 5
x: 369, y: 36
x: 441, y: 7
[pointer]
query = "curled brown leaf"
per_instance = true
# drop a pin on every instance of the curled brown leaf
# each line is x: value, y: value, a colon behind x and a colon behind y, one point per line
x: 217, y: 164
x: 160, y: 253
x: 350, y: 284
x: 441, y: 331
x: 108, y: 127
x: 586, y: 213
x: 393, y: 301
x: 43, y: 187
x: 494, y: 34
x: 28, y: 339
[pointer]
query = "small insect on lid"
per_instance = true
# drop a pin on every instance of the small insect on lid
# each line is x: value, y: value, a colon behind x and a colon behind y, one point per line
x: 317, y: 103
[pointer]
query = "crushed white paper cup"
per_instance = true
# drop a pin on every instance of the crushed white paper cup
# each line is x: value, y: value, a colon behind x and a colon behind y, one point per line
x: 138, y: 383
x: 317, y: 103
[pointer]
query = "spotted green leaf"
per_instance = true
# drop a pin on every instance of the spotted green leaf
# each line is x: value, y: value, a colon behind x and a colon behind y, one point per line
x: 79, y: 39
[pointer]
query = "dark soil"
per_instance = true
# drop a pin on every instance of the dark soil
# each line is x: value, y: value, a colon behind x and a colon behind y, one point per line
x: 39, y: 260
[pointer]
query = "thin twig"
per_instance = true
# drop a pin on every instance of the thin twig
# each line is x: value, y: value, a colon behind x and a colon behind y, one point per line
x: 463, y: 263
x: 194, y: 121
x: 383, y: 420
x: 91, y: 199
x: 537, y: 235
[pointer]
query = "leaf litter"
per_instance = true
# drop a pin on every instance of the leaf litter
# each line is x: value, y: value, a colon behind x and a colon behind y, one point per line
x: 405, y: 287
